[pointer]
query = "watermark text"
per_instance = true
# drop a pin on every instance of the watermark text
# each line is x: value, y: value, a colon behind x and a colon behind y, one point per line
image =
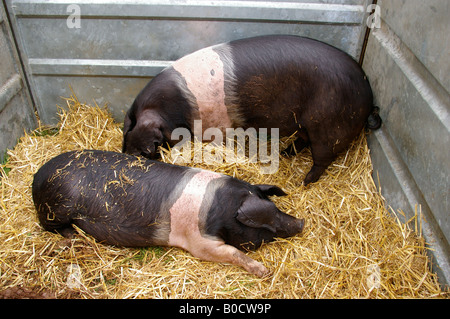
x: 238, y: 144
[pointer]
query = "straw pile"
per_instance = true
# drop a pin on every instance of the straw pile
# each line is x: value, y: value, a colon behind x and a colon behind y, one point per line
x: 351, y: 246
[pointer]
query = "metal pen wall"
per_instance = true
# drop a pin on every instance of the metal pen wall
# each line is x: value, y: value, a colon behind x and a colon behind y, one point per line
x: 108, y: 50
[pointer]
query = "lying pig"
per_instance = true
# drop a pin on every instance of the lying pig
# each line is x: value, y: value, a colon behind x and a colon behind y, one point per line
x: 292, y: 83
x: 125, y: 200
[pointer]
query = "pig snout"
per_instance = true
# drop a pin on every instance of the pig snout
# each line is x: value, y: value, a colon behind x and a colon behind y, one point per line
x: 145, y: 136
x: 144, y: 141
x: 290, y: 227
x: 151, y: 151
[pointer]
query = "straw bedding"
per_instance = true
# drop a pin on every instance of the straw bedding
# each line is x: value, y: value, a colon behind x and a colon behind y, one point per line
x: 351, y: 246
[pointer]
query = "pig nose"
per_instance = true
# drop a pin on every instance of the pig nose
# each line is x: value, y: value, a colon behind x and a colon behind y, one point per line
x: 301, y: 223
x: 156, y: 145
x: 151, y: 152
x: 145, y: 154
x: 148, y: 154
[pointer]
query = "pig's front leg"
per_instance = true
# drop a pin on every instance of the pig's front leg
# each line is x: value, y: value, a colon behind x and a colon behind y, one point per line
x: 218, y: 251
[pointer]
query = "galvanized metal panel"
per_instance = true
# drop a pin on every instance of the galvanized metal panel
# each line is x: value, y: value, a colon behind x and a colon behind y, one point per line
x: 122, y: 44
x: 433, y: 48
x: 411, y: 153
x: 215, y: 10
x: 16, y: 111
x: 119, y: 95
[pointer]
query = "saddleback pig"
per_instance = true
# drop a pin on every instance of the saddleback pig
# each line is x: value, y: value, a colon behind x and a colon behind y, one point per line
x: 125, y: 200
x: 292, y: 83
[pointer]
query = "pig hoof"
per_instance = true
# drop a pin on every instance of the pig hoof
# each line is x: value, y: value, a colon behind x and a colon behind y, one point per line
x: 309, y: 179
x: 314, y: 174
x: 260, y: 271
x: 265, y: 274
x: 68, y: 232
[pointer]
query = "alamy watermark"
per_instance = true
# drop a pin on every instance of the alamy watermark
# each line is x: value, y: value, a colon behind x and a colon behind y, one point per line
x: 74, y: 19
x: 373, y: 20
x: 239, y: 143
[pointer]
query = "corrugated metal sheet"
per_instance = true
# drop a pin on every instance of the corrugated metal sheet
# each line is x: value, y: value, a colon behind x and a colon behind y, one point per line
x: 409, y: 75
x: 16, y: 112
x: 120, y: 45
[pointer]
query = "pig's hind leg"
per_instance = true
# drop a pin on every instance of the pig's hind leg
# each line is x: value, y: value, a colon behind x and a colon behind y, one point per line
x: 218, y: 251
x: 322, y: 156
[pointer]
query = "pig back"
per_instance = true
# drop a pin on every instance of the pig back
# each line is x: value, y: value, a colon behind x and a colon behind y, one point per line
x: 112, y: 196
x: 308, y: 82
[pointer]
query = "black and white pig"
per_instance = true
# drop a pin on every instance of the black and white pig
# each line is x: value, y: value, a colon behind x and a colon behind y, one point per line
x: 125, y: 200
x: 292, y: 83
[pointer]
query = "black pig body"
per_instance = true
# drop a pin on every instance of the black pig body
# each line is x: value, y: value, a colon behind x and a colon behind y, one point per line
x: 292, y: 83
x: 129, y: 201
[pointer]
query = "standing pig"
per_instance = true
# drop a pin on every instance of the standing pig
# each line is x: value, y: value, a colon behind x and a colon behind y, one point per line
x: 292, y: 83
x: 125, y: 200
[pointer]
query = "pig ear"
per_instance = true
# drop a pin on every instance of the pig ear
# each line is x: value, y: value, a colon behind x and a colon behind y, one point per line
x: 270, y: 190
x: 128, y: 125
x: 257, y: 213
x: 129, y: 122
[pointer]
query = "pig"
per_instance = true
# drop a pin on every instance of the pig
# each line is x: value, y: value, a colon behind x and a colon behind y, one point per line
x: 299, y: 85
x: 125, y: 200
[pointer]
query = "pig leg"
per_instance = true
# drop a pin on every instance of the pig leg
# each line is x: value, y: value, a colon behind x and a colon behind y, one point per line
x: 322, y: 158
x: 314, y: 174
x: 218, y: 251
